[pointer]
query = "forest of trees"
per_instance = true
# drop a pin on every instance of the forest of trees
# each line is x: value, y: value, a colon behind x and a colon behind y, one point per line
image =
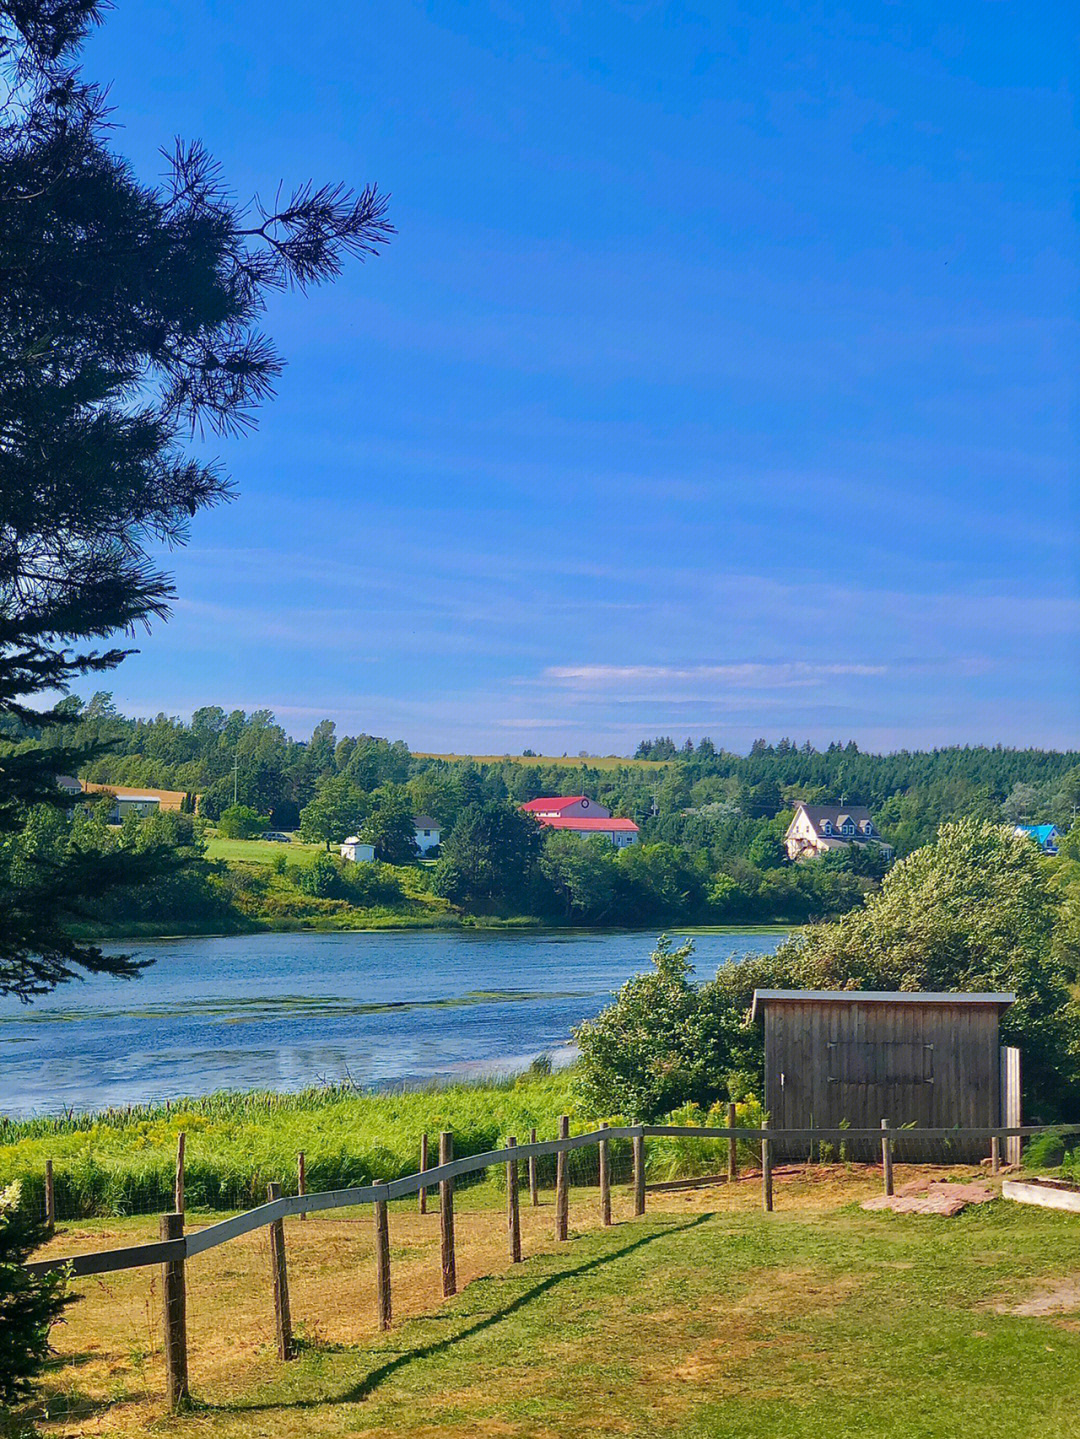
x: 711, y: 821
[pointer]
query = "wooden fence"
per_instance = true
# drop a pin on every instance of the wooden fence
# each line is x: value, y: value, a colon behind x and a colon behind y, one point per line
x: 174, y: 1247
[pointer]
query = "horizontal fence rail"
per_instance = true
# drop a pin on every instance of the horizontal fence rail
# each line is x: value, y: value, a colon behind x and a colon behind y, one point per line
x: 137, y: 1256
x: 201, y: 1240
x: 990, y: 1131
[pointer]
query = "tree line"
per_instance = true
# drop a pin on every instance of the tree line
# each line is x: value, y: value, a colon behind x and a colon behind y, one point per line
x: 711, y: 822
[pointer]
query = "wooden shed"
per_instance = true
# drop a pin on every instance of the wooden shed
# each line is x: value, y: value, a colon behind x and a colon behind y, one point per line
x: 855, y: 1057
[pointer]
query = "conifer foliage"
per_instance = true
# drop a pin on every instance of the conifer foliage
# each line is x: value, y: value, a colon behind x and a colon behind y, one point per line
x: 29, y: 1304
x: 129, y: 319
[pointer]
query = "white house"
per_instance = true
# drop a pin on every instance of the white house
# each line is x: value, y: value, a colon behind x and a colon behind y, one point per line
x: 355, y: 849
x: 427, y: 832
x: 581, y: 815
x: 819, y: 828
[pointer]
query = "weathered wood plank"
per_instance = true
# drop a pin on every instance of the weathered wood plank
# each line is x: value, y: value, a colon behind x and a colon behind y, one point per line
x: 1044, y: 1195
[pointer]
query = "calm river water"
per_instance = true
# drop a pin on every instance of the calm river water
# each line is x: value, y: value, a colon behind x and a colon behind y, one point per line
x: 281, y: 1011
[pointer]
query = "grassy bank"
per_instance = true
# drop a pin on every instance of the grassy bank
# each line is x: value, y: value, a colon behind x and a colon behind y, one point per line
x: 122, y: 1161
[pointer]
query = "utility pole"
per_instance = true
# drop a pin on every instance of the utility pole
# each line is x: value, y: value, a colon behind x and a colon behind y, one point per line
x: 235, y: 764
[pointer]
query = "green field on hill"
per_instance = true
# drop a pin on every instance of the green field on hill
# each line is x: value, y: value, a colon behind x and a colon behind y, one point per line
x: 261, y: 851
x: 563, y: 761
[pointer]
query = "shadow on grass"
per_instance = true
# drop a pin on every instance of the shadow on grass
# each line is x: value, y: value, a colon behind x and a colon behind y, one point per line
x: 379, y: 1376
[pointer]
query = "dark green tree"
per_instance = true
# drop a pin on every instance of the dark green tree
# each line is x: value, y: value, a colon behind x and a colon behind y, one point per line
x: 389, y: 825
x: 767, y: 850
x: 337, y: 811
x: 128, y: 315
x: 582, y: 873
x: 29, y: 1304
x: 489, y: 857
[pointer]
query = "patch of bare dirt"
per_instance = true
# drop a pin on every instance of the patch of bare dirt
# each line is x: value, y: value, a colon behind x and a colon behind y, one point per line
x: 1064, y: 1298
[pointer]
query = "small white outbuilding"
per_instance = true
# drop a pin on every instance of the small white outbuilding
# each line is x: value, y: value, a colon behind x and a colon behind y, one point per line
x: 355, y: 849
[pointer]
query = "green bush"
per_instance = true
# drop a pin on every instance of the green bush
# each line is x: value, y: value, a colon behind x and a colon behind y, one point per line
x: 1044, y: 1151
x: 239, y: 821
x: 321, y: 878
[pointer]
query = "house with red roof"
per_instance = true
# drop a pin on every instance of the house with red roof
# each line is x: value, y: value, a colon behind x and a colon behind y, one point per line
x: 581, y: 815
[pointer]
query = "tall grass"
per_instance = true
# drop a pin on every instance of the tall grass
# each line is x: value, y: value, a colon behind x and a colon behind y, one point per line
x: 121, y: 1161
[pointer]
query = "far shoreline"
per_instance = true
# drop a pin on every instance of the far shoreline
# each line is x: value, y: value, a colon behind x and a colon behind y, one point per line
x: 134, y: 934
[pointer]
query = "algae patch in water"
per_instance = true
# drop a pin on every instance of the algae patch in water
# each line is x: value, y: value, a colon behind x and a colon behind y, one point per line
x: 246, y: 1011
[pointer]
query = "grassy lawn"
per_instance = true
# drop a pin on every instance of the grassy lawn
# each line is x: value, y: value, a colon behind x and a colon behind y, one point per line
x: 260, y: 851
x: 705, y: 1318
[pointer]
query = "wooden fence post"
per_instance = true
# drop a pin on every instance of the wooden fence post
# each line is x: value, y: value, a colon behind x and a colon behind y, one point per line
x: 513, y: 1211
x: 639, y: 1175
x: 605, y: 1181
x: 50, y: 1197
x: 301, y: 1179
x: 562, y: 1196
x: 534, y: 1194
x: 382, y: 1263
x: 995, y: 1155
x: 886, y: 1157
x: 279, y: 1279
x: 732, y: 1145
x: 766, y: 1170
x: 423, y: 1165
x: 174, y: 1300
x: 446, y: 1217
x: 179, y: 1204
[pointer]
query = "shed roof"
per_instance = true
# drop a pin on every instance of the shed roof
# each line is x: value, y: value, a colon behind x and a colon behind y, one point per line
x: 877, y: 996
x: 425, y: 821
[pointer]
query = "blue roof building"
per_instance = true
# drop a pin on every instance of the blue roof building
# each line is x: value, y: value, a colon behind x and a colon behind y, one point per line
x: 1046, y: 836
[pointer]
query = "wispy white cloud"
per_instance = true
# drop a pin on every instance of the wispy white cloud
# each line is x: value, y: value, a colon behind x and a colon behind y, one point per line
x: 786, y: 674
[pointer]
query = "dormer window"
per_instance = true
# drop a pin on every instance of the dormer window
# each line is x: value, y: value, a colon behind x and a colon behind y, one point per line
x: 868, y: 828
x: 826, y: 828
x: 847, y: 827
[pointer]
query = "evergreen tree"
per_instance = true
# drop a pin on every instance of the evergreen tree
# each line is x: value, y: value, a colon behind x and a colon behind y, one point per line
x: 128, y: 315
x: 29, y: 1304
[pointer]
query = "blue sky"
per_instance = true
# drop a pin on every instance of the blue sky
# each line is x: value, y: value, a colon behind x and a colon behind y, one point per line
x: 721, y: 380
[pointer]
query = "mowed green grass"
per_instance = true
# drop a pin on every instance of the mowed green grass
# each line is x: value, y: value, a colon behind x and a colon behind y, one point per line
x: 709, y: 1322
x: 260, y: 851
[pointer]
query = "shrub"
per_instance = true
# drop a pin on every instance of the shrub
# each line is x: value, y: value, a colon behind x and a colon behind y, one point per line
x: 241, y: 822
x: 321, y: 878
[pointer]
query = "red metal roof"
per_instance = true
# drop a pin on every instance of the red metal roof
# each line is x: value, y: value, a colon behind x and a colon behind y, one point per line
x: 604, y: 826
x: 555, y: 802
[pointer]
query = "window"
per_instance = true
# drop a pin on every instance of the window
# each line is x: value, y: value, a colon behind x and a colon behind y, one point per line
x: 847, y: 827
x: 888, y: 1062
x: 826, y: 828
x: 868, y: 828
